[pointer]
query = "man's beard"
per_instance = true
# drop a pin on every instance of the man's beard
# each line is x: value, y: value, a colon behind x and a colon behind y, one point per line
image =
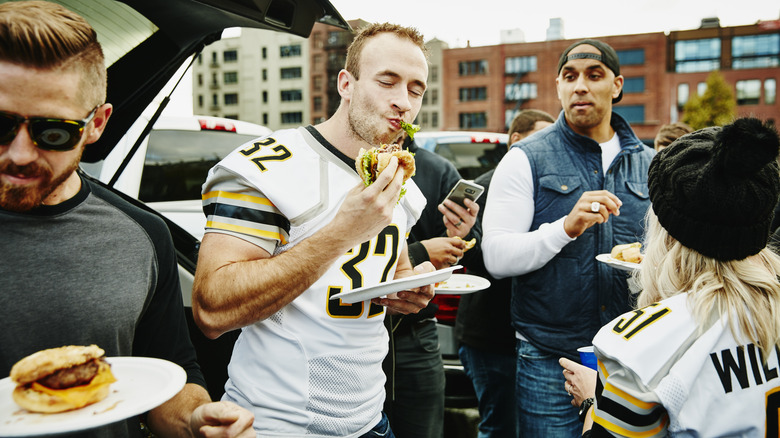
x: 362, y: 128
x: 24, y: 198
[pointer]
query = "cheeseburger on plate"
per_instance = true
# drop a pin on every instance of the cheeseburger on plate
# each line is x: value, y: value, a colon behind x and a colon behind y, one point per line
x: 61, y: 379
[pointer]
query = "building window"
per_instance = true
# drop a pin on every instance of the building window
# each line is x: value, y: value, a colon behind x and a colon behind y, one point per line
x: 292, y: 117
x: 265, y: 74
x: 230, y: 77
x: 519, y: 64
x: 472, y: 120
x: 214, y: 100
x: 631, y: 57
x: 230, y: 56
x: 264, y: 52
x: 265, y: 118
x: 200, y: 58
x: 701, y: 88
x: 434, y: 73
x: 265, y: 97
x: 697, y: 55
x: 200, y: 101
x: 434, y: 96
x: 200, y: 79
x: 473, y: 93
x: 214, y: 58
x: 755, y: 51
x: 317, y: 83
x: 292, y: 95
x: 748, y: 92
x: 632, y: 113
x: 634, y: 85
x: 231, y: 99
x: 434, y: 119
x: 470, y: 68
x: 424, y: 119
x: 770, y: 92
x: 231, y: 116
x: 290, y: 51
x: 524, y: 91
x: 291, y: 73
x: 318, y: 103
x: 683, y: 94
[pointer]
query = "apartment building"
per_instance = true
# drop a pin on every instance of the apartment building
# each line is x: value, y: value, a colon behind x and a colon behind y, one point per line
x: 485, y: 86
x: 259, y: 76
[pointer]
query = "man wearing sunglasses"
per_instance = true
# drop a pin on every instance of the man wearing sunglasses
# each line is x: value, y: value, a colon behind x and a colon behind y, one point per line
x: 79, y: 265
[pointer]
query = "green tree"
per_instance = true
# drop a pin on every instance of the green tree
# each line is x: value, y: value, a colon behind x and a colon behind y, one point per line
x: 716, y: 107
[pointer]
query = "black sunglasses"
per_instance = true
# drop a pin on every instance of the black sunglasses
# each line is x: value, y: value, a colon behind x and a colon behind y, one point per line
x: 46, y: 133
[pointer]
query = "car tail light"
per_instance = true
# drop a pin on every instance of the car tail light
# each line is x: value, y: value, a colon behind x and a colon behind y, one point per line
x: 448, y: 308
x: 475, y: 139
x: 210, y: 125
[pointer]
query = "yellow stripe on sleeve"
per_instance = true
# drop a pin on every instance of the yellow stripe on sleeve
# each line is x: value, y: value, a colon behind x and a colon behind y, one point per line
x: 246, y: 230
x: 238, y: 197
x: 629, y: 433
x: 608, y: 387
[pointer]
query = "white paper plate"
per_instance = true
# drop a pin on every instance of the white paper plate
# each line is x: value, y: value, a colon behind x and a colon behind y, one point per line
x: 461, y: 284
x: 618, y: 264
x: 142, y: 383
x: 388, y: 287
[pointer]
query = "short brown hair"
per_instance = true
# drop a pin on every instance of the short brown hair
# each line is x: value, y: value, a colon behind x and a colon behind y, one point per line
x: 365, y: 33
x: 43, y: 35
x: 669, y: 133
x: 525, y: 120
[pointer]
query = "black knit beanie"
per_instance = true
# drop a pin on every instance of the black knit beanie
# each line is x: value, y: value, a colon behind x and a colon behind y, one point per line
x: 715, y: 190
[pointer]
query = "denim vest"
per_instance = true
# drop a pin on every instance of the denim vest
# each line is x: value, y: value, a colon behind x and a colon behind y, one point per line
x: 561, y: 306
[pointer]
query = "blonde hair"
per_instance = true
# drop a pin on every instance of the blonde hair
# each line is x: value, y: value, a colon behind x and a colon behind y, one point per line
x: 365, y: 33
x: 43, y: 35
x: 747, y: 291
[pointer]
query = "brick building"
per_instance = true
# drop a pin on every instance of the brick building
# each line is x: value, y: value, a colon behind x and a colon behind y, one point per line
x: 484, y: 86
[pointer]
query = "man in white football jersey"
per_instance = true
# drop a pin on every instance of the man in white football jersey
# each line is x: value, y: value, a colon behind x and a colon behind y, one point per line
x: 700, y: 355
x: 290, y: 224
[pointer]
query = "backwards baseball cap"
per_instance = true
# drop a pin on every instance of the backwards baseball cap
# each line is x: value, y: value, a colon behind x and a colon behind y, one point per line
x: 608, y: 57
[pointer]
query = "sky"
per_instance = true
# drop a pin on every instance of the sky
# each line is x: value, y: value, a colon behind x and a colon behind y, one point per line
x: 460, y: 22
x: 466, y: 23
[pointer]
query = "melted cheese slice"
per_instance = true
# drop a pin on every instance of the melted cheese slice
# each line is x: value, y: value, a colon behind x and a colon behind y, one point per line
x: 79, y: 396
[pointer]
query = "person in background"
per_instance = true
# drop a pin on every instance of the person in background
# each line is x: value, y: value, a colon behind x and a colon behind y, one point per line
x: 80, y: 265
x: 483, y: 327
x: 415, y: 387
x: 557, y: 200
x: 669, y: 133
x: 290, y: 223
x: 700, y: 355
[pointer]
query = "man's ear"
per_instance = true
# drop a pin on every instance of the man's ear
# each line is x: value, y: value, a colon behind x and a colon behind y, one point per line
x: 618, y: 83
x: 99, y: 122
x: 345, y: 84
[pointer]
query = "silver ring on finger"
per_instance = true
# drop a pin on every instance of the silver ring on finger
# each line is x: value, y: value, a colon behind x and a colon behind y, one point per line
x: 595, y: 207
x: 460, y: 222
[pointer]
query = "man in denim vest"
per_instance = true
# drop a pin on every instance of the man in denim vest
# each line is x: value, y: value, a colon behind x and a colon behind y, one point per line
x: 557, y: 200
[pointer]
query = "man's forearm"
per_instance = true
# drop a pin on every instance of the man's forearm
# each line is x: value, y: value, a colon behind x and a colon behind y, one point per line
x: 172, y: 418
x: 241, y: 293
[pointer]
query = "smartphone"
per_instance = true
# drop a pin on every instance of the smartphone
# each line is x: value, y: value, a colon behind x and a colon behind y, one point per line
x: 465, y: 189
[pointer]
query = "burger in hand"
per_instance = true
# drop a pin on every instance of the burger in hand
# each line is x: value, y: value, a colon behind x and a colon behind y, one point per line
x: 370, y: 163
x: 61, y: 379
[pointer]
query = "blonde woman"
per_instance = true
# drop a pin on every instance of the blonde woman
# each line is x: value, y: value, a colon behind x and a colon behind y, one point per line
x: 700, y: 355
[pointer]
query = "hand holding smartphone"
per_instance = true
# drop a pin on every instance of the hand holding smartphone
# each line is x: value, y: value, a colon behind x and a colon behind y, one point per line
x: 465, y: 189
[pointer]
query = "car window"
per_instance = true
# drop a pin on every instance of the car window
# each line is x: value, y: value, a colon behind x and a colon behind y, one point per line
x: 472, y: 159
x: 119, y: 27
x: 177, y: 162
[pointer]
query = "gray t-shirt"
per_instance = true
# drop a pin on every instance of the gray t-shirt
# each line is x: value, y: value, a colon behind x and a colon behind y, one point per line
x: 92, y: 270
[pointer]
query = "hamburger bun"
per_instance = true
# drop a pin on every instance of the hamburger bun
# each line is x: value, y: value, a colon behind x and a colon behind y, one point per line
x: 61, y: 379
x: 628, y: 252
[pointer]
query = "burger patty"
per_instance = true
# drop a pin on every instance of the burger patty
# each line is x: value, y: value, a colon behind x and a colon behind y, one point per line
x: 74, y: 376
